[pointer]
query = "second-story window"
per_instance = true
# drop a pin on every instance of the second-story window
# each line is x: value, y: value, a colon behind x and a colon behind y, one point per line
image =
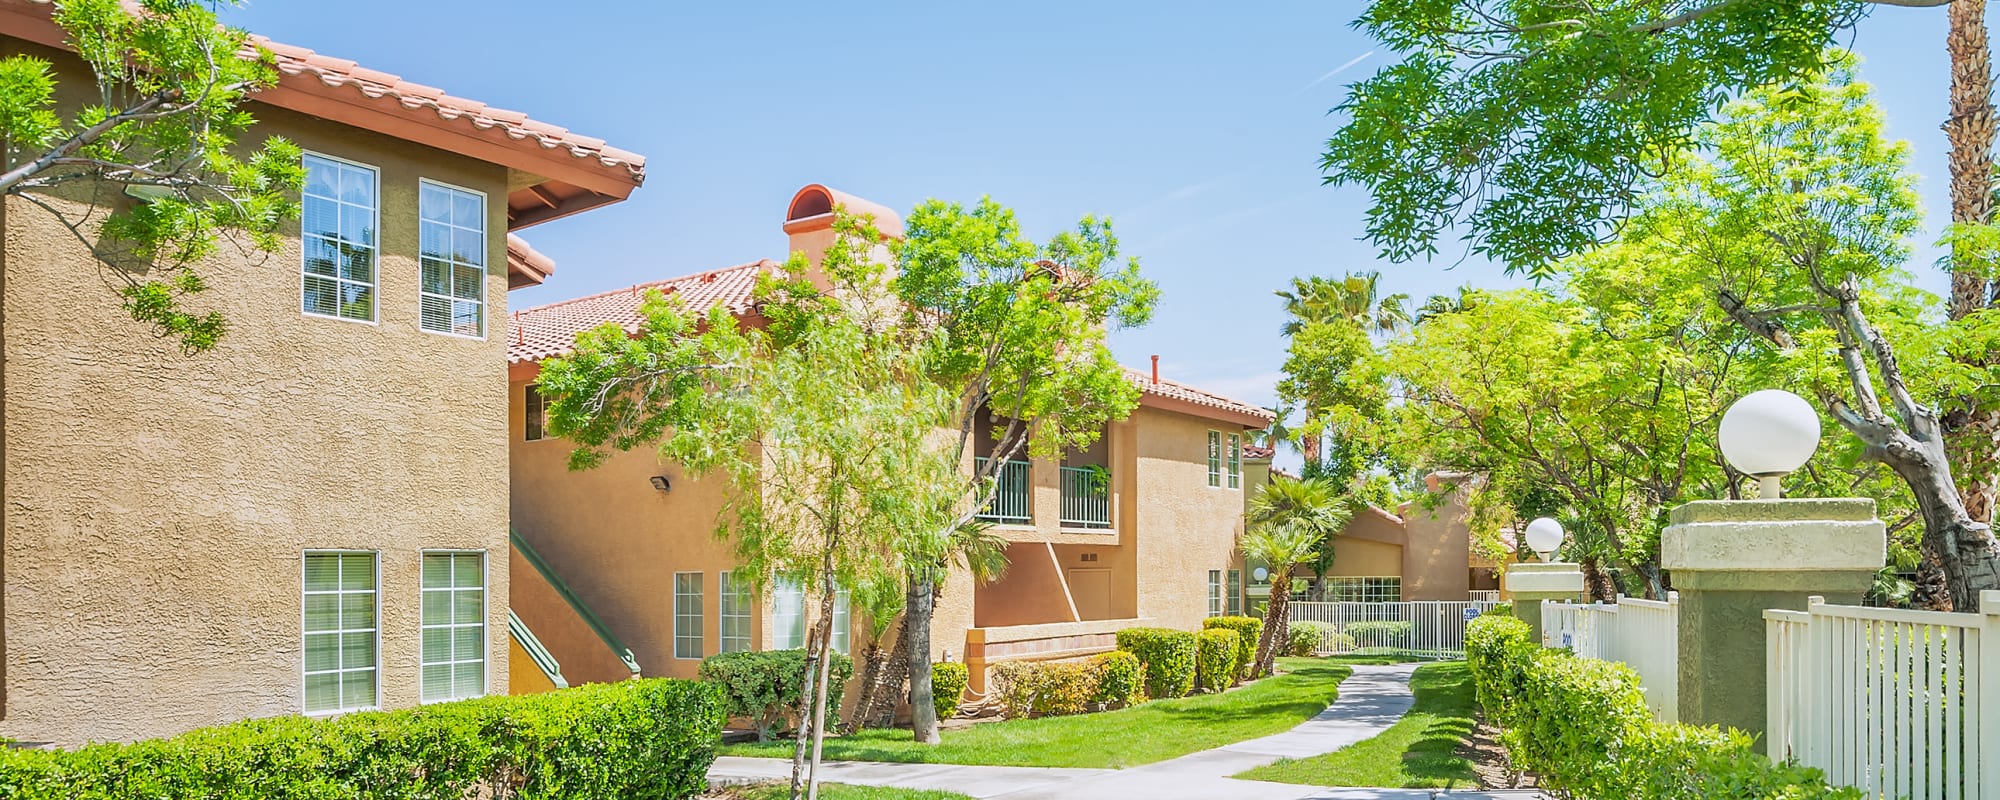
x: 1215, y: 458
x: 1235, y: 461
x: 534, y: 415
x: 452, y: 295
x: 338, y: 233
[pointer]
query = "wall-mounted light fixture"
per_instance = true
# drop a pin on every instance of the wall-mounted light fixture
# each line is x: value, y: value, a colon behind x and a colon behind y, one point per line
x: 661, y: 483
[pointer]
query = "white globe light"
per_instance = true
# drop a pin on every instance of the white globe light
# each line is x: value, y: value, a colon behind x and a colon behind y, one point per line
x: 1545, y: 537
x: 1259, y: 574
x: 1769, y: 433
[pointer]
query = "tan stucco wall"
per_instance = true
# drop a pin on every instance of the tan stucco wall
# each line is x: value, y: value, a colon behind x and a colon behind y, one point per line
x: 157, y: 504
x: 1032, y: 592
x: 523, y: 676
x: 1363, y: 558
x: 1184, y: 526
x: 1436, y: 564
x: 584, y: 657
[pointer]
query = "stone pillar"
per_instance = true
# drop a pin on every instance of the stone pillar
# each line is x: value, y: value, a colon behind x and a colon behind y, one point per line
x: 1731, y: 560
x: 1529, y: 584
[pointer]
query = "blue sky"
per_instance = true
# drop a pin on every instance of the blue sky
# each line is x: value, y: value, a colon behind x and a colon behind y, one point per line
x: 1197, y: 127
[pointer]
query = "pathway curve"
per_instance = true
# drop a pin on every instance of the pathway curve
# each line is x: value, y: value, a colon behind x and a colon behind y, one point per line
x: 1370, y: 701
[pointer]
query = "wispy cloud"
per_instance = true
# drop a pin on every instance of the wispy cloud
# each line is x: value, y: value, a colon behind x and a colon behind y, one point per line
x: 1187, y: 192
x: 1337, y: 70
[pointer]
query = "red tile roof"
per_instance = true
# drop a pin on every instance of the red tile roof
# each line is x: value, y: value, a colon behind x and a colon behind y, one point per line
x: 546, y: 331
x: 1181, y: 394
x: 1255, y: 451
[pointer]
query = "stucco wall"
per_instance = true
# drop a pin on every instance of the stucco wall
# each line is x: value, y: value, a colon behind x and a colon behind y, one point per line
x: 1185, y: 527
x: 1436, y: 562
x: 523, y: 677
x: 1363, y: 558
x: 584, y: 657
x: 157, y: 504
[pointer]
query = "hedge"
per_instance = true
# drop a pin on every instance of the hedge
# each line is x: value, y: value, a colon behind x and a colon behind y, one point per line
x: 1247, y: 629
x: 948, y: 682
x: 1582, y: 725
x: 1307, y: 638
x: 1119, y: 678
x: 1382, y: 633
x: 1215, y: 658
x: 1045, y: 688
x: 639, y: 739
x: 768, y: 686
x: 1168, y: 657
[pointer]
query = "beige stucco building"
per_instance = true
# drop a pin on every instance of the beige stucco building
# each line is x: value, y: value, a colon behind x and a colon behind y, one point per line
x: 313, y: 516
x: 633, y: 540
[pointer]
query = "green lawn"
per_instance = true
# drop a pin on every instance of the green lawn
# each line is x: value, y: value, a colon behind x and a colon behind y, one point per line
x: 1151, y: 732
x: 1419, y: 751
x: 833, y: 791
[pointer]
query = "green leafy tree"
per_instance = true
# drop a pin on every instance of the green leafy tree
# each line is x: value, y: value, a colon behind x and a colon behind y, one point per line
x: 1324, y: 315
x: 160, y: 119
x: 1014, y: 331
x: 1289, y: 522
x: 827, y: 437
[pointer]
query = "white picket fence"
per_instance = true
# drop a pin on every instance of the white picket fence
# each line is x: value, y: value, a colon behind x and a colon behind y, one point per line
x: 1642, y: 634
x: 1902, y: 704
x: 1424, y: 628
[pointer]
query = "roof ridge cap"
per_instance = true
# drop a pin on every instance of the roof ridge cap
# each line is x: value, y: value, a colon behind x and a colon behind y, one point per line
x: 645, y: 285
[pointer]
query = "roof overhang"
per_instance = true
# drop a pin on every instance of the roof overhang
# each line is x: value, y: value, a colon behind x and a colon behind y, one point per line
x: 1248, y: 420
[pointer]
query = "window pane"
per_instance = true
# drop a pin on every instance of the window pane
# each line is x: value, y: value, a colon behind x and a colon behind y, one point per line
x: 322, y: 178
x: 322, y: 612
x: 468, y: 282
x: 357, y: 611
x: 322, y: 572
x: 357, y: 262
x: 357, y: 571
x: 357, y: 186
x: 437, y: 608
x: 357, y: 225
x: 322, y: 296
x: 469, y: 680
x: 322, y: 256
x: 468, y: 643
x: 322, y: 692
x: 322, y: 652
x: 468, y: 606
x: 467, y: 318
x: 468, y: 246
x: 437, y: 682
x: 357, y: 689
x: 435, y: 204
x: 357, y: 301
x: 435, y: 276
x: 466, y: 571
x: 437, y: 571
x: 357, y: 650
x: 434, y: 313
x: 467, y: 210
x: 437, y: 645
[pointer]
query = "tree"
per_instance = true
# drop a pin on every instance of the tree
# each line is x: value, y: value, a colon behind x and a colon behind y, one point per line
x: 1014, y: 331
x: 1535, y: 125
x: 1324, y: 314
x: 1289, y: 521
x: 161, y: 121
x: 828, y: 439
x: 983, y: 555
x: 1334, y: 374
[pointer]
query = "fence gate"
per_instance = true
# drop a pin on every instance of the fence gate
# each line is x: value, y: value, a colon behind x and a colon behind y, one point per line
x: 1423, y: 628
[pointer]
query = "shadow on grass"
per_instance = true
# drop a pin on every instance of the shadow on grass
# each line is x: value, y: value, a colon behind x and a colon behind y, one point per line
x: 1419, y: 751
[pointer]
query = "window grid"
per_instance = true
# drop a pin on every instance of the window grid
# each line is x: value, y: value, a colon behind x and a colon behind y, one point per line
x: 452, y: 231
x: 788, y: 616
x: 688, y: 616
x: 338, y: 239
x: 1214, y: 458
x: 1235, y: 590
x: 737, y: 604
x: 1215, y: 593
x: 535, y: 418
x: 1235, y: 461
x: 841, y: 621
x: 339, y: 633
x: 453, y: 626
x: 1370, y: 589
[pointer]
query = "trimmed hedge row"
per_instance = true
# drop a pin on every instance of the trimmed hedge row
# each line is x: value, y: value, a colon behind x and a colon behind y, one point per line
x: 1215, y: 658
x: 1168, y: 656
x: 1582, y: 725
x: 768, y: 686
x: 1120, y: 676
x: 1306, y: 638
x: 1248, y: 629
x: 635, y: 739
x: 1382, y: 633
x: 948, y: 682
x: 1045, y: 688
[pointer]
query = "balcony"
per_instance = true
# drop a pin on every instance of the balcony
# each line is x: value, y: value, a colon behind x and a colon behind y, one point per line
x: 1013, y: 498
x: 1086, y: 497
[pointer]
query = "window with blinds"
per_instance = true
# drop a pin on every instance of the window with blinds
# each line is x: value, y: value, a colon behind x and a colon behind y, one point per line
x: 338, y: 233
x: 1235, y: 461
x: 452, y: 232
x: 841, y: 621
x: 340, y: 633
x: 1215, y: 458
x: 737, y: 604
x: 1235, y: 590
x: 535, y: 415
x: 788, y: 617
x: 1215, y: 593
x: 453, y: 626
x: 688, y: 617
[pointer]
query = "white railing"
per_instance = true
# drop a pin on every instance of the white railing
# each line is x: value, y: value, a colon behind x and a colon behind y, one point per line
x: 1484, y: 595
x: 1427, y: 628
x: 1641, y: 634
x: 1898, y: 703
x: 1013, y: 501
x: 1086, y: 497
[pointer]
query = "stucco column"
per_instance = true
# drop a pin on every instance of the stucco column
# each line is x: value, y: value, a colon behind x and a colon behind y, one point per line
x: 1731, y: 560
x: 1530, y: 583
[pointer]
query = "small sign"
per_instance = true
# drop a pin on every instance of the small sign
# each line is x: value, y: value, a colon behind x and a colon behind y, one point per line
x: 1471, y: 614
x: 1566, y: 641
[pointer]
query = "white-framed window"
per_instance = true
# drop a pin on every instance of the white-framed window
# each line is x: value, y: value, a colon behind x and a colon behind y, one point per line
x: 453, y: 626
x: 339, y: 232
x: 737, y: 604
x: 1235, y: 461
x: 340, y: 638
x: 1215, y: 593
x: 1215, y: 458
x: 451, y: 291
x: 788, y: 616
x: 1369, y: 589
x: 841, y: 621
x: 688, y: 616
x: 534, y: 419
x: 1235, y: 590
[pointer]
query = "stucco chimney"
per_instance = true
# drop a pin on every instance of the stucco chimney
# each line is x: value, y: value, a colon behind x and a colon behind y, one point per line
x: 809, y: 219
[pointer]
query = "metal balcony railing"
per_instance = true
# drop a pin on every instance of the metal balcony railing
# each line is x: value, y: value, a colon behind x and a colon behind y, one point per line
x: 1013, y: 502
x: 1086, y: 498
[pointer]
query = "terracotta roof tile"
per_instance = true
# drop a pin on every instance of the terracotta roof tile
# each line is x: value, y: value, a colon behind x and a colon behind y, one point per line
x: 1180, y: 391
x: 1255, y: 451
x: 547, y: 331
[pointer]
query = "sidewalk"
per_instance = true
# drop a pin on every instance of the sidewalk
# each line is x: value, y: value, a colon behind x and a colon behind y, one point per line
x: 1370, y: 701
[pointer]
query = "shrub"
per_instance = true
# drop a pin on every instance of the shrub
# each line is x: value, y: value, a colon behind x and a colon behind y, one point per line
x: 646, y: 738
x: 1383, y: 633
x: 948, y: 682
x: 1307, y: 638
x: 1583, y: 727
x: 1167, y: 655
x: 1046, y: 688
x: 768, y: 686
x: 1215, y: 658
x: 1119, y: 676
x: 1500, y: 610
x: 1248, y: 629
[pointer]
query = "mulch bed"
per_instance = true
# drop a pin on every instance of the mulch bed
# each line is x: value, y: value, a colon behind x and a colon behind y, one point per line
x: 1489, y: 760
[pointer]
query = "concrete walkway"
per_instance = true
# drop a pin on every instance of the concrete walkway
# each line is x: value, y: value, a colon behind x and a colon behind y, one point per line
x: 1370, y: 701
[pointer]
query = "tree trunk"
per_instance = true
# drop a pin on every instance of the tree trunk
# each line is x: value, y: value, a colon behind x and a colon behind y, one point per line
x: 895, y: 678
x: 918, y: 608
x: 1596, y: 581
x: 820, y: 642
x: 1274, y: 637
x: 1966, y: 548
x: 873, y: 665
x: 1972, y: 433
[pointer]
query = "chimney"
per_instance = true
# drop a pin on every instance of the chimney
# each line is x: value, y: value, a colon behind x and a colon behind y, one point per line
x: 809, y: 220
x: 1156, y: 369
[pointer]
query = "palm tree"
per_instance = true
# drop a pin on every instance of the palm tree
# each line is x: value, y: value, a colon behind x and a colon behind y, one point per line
x: 1439, y: 305
x: 1277, y: 434
x: 1290, y: 520
x: 1354, y: 298
x: 984, y: 555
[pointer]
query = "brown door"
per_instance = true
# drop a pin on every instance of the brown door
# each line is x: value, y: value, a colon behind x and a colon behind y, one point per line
x: 1091, y: 589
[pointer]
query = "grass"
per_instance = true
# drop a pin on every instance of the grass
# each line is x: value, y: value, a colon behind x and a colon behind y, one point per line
x: 1419, y: 751
x: 831, y: 791
x: 1128, y: 737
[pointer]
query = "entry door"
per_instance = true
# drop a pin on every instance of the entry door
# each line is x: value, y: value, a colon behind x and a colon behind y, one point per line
x: 1091, y: 589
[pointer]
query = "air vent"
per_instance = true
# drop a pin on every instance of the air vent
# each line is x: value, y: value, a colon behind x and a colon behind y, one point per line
x: 1089, y: 556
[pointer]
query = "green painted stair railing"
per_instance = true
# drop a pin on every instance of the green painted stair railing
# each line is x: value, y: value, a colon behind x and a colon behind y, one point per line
x: 597, y: 626
x: 544, y: 660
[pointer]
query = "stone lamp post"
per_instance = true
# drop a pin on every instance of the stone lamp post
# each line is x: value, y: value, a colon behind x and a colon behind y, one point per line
x: 1531, y: 584
x: 1732, y: 559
